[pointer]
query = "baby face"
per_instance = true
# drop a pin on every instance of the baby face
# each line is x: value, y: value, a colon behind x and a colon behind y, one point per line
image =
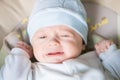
x: 54, y: 44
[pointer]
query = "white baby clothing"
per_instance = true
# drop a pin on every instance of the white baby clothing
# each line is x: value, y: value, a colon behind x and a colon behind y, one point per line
x: 86, y: 67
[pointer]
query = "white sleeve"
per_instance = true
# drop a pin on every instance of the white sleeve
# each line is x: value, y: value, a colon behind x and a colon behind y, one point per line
x: 111, y: 60
x: 17, y: 66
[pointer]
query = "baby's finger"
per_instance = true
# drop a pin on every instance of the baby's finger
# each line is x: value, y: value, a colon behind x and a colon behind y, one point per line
x: 97, y: 48
x: 20, y: 43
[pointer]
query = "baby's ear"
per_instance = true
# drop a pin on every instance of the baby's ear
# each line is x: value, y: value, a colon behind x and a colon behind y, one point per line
x: 83, y: 47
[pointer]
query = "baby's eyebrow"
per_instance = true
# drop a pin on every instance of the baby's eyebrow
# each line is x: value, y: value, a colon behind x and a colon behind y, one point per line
x: 43, y: 31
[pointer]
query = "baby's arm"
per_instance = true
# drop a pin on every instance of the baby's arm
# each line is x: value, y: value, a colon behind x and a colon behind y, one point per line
x: 110, y: 56
x: 17, y: 66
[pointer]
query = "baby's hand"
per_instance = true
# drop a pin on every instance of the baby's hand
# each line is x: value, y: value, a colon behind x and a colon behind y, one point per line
x: 103, y: 46
x: 25, y: 47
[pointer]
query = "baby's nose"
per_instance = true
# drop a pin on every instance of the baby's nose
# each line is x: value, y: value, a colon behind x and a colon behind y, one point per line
x: 54, y: 42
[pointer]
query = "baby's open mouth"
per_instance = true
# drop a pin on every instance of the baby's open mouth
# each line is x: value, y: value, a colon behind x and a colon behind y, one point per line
x: 55, y: 53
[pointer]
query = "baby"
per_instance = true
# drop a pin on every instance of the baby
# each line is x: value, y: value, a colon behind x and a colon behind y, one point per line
x: 57, y: 30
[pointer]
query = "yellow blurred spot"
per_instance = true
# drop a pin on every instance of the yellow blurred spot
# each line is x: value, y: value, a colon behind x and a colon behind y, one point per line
x: 18, y: 36
x: 24, y: 20
x: 100, y: 24
x: 24, y: 32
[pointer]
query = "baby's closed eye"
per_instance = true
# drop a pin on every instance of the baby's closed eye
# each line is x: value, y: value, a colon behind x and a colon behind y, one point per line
x: 65, y: 35
x: 42, y: 37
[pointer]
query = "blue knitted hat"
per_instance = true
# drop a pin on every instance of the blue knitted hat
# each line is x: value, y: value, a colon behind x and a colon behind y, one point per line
x: 58, y: 12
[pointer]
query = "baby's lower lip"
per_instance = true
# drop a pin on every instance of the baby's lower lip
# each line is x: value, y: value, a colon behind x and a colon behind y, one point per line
x: 55, y: 54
